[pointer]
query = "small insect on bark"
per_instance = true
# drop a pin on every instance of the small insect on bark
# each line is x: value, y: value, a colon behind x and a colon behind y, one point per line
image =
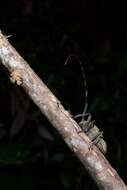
x: 86, y: 123
x: 15, y: 77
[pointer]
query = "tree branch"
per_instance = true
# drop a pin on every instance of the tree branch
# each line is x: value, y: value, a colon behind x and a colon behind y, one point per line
x: 92, y: 159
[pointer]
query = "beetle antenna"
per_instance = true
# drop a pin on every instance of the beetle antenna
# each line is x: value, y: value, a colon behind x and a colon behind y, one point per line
x: 84, y: 83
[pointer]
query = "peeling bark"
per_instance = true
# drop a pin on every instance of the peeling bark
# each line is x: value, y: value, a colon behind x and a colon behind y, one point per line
x: 90, y: 156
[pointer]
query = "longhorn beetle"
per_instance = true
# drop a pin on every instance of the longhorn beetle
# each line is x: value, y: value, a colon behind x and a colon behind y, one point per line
x: 86, y: 122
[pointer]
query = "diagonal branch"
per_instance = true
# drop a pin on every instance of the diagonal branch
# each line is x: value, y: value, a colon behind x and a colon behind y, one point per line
x: 92, y: 159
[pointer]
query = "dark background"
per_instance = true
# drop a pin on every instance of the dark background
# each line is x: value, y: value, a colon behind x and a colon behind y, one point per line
x: 45, y: 33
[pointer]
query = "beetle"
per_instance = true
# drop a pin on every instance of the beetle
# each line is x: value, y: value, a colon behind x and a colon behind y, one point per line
x: 86, y: 123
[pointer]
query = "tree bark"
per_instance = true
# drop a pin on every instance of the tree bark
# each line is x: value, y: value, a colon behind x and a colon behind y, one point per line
x: 90, y: 156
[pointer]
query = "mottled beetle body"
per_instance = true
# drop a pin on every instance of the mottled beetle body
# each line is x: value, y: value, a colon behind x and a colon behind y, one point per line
x: 95, y: 135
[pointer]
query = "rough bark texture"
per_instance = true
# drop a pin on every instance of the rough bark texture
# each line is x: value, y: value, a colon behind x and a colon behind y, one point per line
x: 92, y: 159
